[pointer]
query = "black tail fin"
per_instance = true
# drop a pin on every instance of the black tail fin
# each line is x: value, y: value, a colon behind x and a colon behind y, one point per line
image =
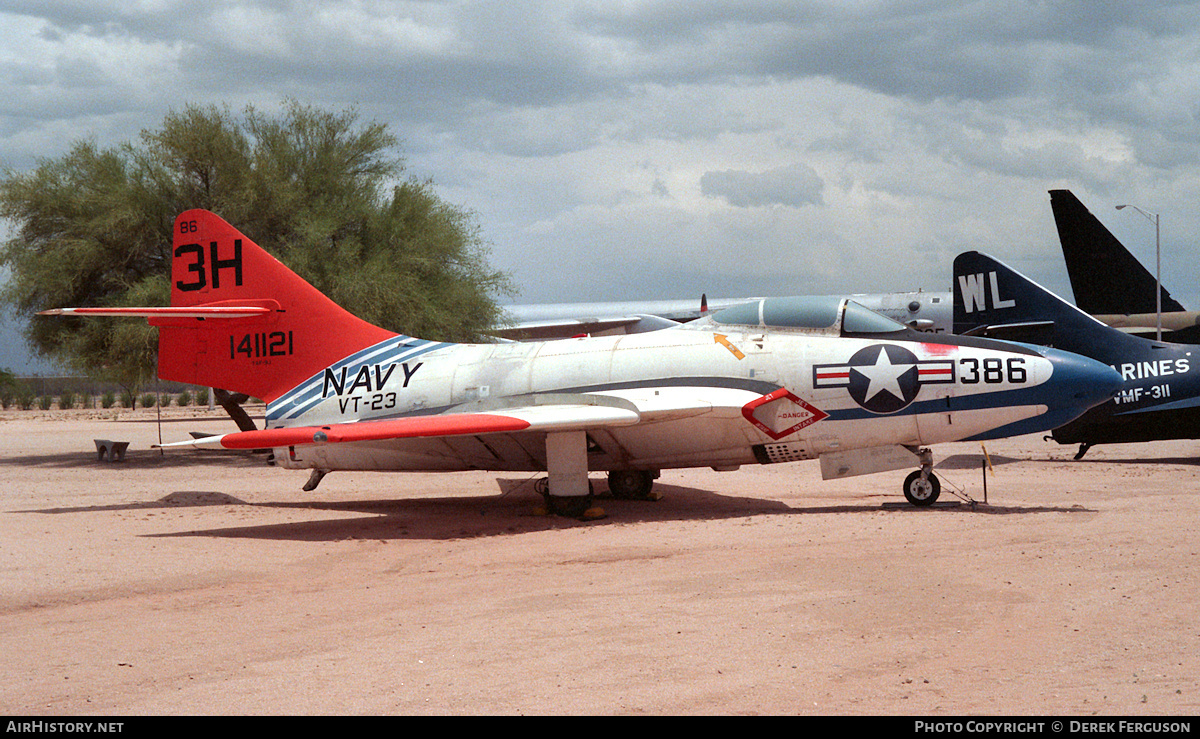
x: 1105, y: 277
x: 992, y: 299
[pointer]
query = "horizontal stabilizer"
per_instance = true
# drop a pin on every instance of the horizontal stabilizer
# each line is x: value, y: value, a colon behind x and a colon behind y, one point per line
x: 214, y: 311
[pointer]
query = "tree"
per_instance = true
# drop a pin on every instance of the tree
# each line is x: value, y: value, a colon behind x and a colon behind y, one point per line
x: 323, y: 191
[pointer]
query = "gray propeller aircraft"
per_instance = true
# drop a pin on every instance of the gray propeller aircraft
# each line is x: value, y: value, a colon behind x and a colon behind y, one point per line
x: 774, y: 380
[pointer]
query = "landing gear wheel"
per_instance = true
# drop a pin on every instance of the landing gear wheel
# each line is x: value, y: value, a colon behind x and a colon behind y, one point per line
x: 581, y: 507
x: 631, y: 484
x: 922, y: 492
x: 575, y: 506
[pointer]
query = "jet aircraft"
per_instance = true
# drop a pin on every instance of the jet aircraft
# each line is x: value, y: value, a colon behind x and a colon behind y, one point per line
x: 1160, y: 393
x: 1110, y: 283
x: 917, y: 309
x: 1107, y: 281
x: 775, y: 380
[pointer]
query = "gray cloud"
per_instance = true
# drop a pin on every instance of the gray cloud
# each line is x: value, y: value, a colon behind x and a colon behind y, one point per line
x: 646, y: 139
x: 795, y: 185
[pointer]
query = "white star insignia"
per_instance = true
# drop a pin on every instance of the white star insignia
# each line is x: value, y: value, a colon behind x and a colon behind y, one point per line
x: 883, y: 375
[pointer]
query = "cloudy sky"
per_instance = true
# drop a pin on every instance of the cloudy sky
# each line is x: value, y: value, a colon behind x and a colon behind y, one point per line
x: 617, y: 150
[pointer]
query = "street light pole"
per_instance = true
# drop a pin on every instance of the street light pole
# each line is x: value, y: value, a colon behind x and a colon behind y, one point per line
x: 1157, y: 269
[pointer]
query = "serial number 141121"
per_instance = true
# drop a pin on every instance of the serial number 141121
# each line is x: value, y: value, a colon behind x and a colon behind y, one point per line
x: 258, y: 346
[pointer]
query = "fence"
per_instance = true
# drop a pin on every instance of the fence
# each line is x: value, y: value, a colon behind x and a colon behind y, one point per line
x: 45, y: 393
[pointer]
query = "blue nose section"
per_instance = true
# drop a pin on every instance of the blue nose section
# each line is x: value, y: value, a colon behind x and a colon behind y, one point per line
x: 1078, y: 383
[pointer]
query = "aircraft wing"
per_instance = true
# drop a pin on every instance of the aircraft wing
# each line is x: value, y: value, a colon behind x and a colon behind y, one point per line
x: 1028, y: 332
x: 1176, y: 405
x: 562, y: 417
x: 1179, y: 327
x: 549, y: 412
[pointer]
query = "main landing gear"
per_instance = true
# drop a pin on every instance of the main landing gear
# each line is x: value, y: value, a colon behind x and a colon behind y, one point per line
x: 622, y: 485
x: 632, y: 484
x: 567, y: 489
x: 922, y: 487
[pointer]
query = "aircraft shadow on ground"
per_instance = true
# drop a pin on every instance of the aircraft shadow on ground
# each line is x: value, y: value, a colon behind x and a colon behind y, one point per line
x: 976, y: 461
x: 973, y: 461
x: 140, y: 459
x: 181, y: 499
x: 1184, y: 461
x: 514, y: 511
x: 517, y: 511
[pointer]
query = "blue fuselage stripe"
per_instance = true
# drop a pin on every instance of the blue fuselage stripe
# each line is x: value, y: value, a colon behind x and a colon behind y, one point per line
x: 310, y: 392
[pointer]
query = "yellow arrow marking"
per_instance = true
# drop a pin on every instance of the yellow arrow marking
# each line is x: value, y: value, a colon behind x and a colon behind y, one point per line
x: 724, y: 341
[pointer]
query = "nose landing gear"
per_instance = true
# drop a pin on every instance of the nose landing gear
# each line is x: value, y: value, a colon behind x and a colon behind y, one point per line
x: 922, y: 491
x: 922, y: 487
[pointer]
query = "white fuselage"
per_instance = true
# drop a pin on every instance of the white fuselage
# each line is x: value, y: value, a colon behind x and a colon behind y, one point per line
x: 695, y: 391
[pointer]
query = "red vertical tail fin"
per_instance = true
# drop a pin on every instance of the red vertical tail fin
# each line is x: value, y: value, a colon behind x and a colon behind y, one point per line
x: 215, y: 267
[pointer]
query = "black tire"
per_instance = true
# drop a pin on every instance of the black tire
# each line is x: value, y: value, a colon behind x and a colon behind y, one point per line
x: 630, y: 484
x: 922, y: 494
x: 570, y: 506
x: 574, y: 506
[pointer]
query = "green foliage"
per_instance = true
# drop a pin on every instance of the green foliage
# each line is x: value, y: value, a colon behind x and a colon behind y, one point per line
x: 323, y: 191
x: 108, y: 399
x: 8, y: 387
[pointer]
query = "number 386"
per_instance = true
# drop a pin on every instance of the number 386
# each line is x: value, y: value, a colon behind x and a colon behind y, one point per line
x: 992, y: 370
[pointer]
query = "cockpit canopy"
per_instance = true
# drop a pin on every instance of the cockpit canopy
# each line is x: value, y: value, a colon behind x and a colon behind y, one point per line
x: 825, y: 314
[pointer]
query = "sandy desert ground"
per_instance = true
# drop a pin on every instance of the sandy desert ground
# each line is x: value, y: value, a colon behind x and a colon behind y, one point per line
x: 205, y: 583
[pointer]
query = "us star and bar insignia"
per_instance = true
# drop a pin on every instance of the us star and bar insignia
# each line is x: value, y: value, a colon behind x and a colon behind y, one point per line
x: 884, y: 378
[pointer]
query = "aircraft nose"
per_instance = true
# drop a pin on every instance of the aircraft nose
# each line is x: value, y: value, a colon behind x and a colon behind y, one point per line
x: 1081, y: 381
